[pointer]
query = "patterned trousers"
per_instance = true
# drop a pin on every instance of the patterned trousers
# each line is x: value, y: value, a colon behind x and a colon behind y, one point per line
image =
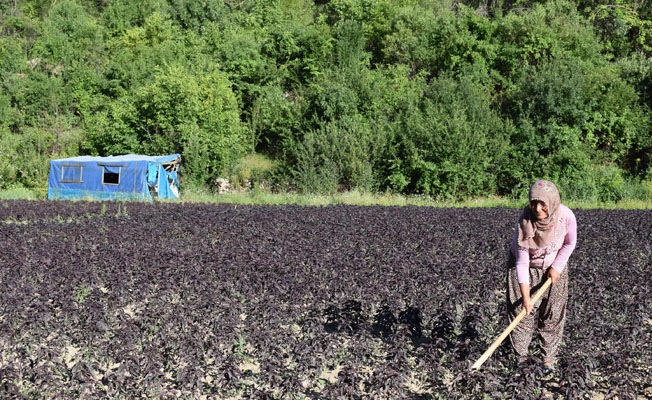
x: 548, y: 315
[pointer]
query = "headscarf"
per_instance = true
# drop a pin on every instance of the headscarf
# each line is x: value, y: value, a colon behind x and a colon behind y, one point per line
x: 538, y: 234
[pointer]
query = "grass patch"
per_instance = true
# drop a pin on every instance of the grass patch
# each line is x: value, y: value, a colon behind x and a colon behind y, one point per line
x: 250, y: 170
x: 354, y: 197
x: 260, y: 197
x: 21, y: 193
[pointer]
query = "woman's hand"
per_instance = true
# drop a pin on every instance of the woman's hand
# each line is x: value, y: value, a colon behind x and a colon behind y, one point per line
x: 553, y: 274
x: 525, y: 294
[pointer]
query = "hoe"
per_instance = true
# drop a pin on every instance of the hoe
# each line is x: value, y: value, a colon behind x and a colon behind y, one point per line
x: 510, y: 328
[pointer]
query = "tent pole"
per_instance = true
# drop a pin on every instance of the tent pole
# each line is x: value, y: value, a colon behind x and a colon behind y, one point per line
x: 158, y: 192
x: 135, y: 170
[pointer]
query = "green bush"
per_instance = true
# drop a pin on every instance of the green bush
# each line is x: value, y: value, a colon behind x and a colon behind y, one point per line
x: 543, y: 33
x: 26, y: 160
x: 348, y: 118
x: 571, y: 116
x: 602, y: 183
x: 275, y: 117
x: 192, y: 113
x: 456, y: 145
x: 240, y: 54
x: 69, y: 35
x: 122, y: 15
x: 341, y: 154
x: 610, y: 182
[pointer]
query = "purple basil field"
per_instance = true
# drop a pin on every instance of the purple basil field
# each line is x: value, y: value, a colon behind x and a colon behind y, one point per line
x: 198, y: 301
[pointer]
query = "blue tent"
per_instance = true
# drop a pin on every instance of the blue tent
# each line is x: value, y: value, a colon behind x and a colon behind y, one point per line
x: 127, y: 177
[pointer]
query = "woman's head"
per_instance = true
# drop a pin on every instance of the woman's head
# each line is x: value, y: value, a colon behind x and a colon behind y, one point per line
x: 539, y: 209
x: 544, y: 199
x: 539, y: 219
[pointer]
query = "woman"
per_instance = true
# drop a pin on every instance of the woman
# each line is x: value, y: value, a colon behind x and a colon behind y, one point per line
x: 544, y: 239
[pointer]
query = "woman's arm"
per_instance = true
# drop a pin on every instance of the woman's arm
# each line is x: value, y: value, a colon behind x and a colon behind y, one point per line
x: 570, y: 241
x: 522, y: 257
x: 525, y: 293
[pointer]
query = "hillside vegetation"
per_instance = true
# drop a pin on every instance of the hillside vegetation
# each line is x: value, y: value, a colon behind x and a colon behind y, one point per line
x: 446, y: 99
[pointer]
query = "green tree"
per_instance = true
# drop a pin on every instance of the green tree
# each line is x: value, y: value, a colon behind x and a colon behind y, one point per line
x: 122, y: 15
x: 192, y: 112
x: 437, y: 40
x: 69, y: 35
x: 456, y: 145
x: 574, y: 114
x: 544, y: 33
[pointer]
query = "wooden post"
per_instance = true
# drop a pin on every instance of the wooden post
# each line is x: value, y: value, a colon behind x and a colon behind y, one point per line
x: 510, y: 328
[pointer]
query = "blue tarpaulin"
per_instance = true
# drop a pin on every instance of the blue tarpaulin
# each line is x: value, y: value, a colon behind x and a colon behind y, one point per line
x: 127, y: 177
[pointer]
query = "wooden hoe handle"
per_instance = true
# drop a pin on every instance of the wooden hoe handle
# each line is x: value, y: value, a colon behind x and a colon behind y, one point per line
x: 510, y: 328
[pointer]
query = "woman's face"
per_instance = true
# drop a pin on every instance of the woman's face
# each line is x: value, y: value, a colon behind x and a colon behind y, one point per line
x: 539, y: 209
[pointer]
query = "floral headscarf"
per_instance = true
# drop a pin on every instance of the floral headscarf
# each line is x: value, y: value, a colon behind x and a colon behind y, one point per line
x: 538, y: 234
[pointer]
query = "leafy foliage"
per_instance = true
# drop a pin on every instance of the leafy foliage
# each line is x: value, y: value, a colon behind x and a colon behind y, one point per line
x: 180, y: 111
x: 374, y: 95
x: 287, y: 302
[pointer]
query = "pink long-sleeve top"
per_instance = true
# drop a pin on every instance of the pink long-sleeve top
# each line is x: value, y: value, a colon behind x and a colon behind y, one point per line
x: 555, y: 255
